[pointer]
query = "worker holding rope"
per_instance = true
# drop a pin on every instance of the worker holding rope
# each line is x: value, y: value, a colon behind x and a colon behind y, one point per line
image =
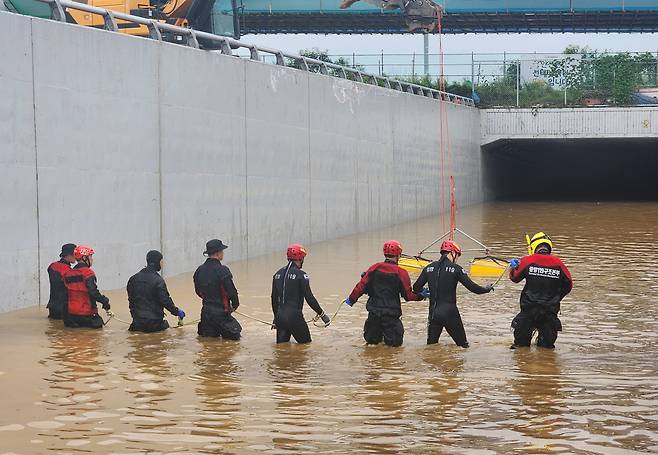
x: 213, y: 282
x: 290, y: 287
x: 148, y: 297
x: 83, y: 293
x: 385, y: 282
x: 443, y: 276
x: 547, y: 282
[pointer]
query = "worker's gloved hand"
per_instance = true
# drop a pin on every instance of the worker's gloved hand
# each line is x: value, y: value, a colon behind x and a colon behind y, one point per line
x: 235, y: 305
x: 348, y: 302
x: 106, y: 304
x: 325, y: 319
x: 424, y: 293
x: 514, y: 264
x: 489, y: 287
x: 181, y: 314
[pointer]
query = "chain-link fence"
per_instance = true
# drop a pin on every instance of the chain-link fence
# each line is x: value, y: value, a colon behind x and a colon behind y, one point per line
x: 568, y: 79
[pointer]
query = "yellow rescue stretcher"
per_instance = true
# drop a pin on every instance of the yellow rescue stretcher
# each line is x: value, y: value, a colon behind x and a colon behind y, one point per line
x: 483, y: 266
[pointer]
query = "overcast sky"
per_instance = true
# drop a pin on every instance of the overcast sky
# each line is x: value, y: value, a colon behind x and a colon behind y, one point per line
x: 402, y: 44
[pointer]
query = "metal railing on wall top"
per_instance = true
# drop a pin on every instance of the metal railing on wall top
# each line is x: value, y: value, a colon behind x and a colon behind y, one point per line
x: 225, y: 45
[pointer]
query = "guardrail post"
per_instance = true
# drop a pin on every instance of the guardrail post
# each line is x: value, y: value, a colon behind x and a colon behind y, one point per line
x: 154, y: 31
x: 225, y: 48
x: 360, y: 76
x: 324, y: 69
x: 191, y: 39
x: 57, y: 11
x: 279, y: 59
x: 109, y: 22
x: 305, y: 64
x: 253, y: 53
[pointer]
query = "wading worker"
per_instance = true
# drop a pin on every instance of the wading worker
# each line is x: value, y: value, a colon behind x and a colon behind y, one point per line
x: 83, y: 292
x: 443, y: 276
x: 290, y: 287
x: 58, y: 293
x: 213, y: 282
x: 385, y: 282
x: 547, y: 282
x: 148, y: 297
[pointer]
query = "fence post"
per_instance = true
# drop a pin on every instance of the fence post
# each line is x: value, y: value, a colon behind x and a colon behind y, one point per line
x: 472, y: 75
x: 426, y: 53
x: 564, y: 78
x: 518, y: 80
x: 413, y: 65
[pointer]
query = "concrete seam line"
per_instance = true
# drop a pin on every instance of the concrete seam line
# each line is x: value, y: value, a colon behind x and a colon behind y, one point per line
x: 246, y: 164
x: 159, y: 94
x: 36, y: 162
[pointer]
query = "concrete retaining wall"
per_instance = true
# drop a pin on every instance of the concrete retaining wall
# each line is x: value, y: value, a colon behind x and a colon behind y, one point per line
x: 128, y: 144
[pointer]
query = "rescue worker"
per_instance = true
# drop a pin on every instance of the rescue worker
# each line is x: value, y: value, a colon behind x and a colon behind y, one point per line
x: 213, y: 282
x: 547, y: 282
x: 384, y: 283
x: 443, y: 276
x: 83, y: 293
x: 290, y: 287
x: 148, y: 296
x: 58, y: 293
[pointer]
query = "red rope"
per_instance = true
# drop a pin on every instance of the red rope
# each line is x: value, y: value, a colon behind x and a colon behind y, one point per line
x: 445, y: 142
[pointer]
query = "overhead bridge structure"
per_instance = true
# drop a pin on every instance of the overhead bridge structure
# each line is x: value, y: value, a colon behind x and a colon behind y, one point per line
x: 460, y: 16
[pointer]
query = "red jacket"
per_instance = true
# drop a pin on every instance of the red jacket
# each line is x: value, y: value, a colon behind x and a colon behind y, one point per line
x: 385, y: 283
x: 83, y: 293
x: 547, y: 282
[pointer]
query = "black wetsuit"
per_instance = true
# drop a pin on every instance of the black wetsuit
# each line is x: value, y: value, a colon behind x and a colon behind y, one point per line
x: 290, y: 287
x: 443, y: 276
x: 213, y: 282
x: 148, y: 296
x: 59, y: 296
x: 384, y: 282
x: 547, y: 282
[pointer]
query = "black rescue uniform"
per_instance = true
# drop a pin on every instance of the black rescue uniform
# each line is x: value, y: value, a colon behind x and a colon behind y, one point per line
x: 58, y: 300
x: 547, y: 282
x: 442, y: 277
x: 290, y: 287
x: 213, y: 282
x: 384, y: 282
x: 148, y: 296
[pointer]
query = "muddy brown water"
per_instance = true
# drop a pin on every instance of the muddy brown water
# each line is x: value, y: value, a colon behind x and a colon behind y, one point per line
x: 109, y: 391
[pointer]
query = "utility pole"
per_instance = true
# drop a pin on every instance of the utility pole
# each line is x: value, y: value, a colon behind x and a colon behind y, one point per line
x: 426, y: 53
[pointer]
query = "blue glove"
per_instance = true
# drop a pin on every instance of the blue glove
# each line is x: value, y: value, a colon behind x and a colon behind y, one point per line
x: 514, y: 264
x: 181, y: 314
x: 424, y: 293
x: 348, y: 302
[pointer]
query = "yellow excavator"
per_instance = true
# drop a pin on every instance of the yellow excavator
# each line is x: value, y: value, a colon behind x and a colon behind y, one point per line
x: 185, y: 13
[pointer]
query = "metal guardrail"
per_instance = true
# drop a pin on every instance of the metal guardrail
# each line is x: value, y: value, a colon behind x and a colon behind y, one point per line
x: 225, y: 45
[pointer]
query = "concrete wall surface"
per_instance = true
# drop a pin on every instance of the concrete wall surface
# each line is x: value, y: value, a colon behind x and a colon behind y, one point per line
x: 128, y: 144
x: 565, y: 123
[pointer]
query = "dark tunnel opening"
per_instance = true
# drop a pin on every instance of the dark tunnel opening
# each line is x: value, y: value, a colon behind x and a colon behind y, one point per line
x: 608, y: 169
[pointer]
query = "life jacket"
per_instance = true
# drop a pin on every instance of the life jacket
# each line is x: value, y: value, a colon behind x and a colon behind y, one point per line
x: 79, y: 300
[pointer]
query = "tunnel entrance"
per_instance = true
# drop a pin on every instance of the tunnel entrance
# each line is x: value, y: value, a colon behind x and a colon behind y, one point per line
x: 572, y: 169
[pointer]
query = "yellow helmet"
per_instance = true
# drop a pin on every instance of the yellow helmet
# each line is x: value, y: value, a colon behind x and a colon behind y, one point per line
x: 538, y: 239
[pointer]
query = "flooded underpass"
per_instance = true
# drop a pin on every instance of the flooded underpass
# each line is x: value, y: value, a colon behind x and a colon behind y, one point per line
x: 110, y: 391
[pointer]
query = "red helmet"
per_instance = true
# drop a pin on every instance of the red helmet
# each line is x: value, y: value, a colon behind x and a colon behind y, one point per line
x: 82, y: 251
x: 296, y: 252
x: 450, y: 246
x: 392, y: 248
